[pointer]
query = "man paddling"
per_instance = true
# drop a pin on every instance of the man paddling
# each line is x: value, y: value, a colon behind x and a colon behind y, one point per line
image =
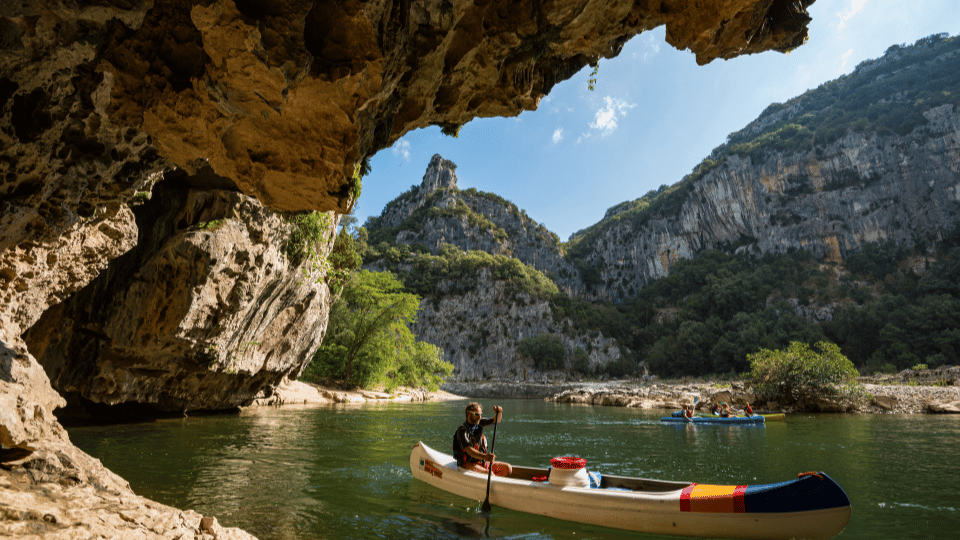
x: 470, y: 445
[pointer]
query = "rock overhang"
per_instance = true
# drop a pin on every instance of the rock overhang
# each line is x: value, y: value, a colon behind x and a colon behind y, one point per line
x: 287, y: 97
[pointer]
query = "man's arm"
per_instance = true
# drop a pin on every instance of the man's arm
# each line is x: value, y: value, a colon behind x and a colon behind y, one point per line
x: 476, y: 454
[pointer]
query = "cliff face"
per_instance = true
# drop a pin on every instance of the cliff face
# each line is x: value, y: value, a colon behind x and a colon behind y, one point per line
x: 204, y: 313
x: 479, y: 332
x: 829, y: 201
x: 480, y: 319
x: 437, y: 212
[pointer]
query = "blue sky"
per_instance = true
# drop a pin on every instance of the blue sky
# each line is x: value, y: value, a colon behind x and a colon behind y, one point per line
x: 652, y: 117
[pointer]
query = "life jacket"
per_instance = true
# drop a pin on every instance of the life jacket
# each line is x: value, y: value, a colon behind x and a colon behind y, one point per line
x: 749, y: 410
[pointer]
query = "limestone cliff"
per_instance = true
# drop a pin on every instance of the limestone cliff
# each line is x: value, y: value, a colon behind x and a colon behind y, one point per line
x: 903, y: 188
x: 437, y: 212
x: 204, y: 313
x: 479, y: 317
x: 865, y: 158
x: 479, y: 332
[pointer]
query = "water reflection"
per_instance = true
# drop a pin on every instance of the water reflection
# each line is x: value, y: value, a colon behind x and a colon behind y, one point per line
x: 342, y: 472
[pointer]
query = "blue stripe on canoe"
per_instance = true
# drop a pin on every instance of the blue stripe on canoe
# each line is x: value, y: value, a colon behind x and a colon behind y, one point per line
x: 815, y: 492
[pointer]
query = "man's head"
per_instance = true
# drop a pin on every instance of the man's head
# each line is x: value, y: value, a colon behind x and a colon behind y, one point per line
x: 474, y: 411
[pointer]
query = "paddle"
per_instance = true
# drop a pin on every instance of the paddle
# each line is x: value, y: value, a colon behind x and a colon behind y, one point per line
x: 493, y: 444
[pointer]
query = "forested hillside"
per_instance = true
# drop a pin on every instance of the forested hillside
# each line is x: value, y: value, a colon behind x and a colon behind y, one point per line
x: 832, y: 216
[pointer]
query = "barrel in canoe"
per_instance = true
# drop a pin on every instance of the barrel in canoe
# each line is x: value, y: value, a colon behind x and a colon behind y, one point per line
x: 811, y: 506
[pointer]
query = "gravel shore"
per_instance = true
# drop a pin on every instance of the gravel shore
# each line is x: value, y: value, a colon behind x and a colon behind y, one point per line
x: 888, y: 397
x: 911, y: 399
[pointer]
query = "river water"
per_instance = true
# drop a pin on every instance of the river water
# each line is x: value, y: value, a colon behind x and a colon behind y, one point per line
x: 343, y: 471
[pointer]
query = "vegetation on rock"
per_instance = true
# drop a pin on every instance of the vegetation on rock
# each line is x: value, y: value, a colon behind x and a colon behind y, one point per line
x: 545, y: 350
x: 306, y: 236
x: 801, y: 373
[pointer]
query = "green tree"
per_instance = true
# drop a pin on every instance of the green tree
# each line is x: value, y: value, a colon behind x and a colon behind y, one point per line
x: 580, y: 362
x: 546, y: 351
x: 368, y: 341
x: 801, y: 373
x: 344, y: 259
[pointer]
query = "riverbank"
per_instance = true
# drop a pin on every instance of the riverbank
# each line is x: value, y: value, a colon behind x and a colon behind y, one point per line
x: 303, y: 393
x: 888, y: 397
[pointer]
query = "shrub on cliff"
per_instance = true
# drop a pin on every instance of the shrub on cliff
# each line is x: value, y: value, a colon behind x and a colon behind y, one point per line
x: 801, y: 374
x: 306, y: 235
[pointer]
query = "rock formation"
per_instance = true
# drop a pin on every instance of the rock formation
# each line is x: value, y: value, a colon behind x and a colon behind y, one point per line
x: 437, y: 212
x: 894, y: 179
x: 906, y: 189
x: 98, y: 100
x: 479, y: 332
x: 204, y: 313
x: 479, y: 319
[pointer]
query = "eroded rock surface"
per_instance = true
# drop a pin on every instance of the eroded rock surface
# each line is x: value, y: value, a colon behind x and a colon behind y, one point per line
x: 204, y: 313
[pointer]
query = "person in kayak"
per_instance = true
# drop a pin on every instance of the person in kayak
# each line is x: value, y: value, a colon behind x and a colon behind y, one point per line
x: 725, y: 411
x: 748, y: 410
x: 715, y: 410
x: 470, y: 444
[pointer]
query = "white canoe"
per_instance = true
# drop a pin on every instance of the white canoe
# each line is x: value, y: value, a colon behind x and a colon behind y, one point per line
x: 811, y: 506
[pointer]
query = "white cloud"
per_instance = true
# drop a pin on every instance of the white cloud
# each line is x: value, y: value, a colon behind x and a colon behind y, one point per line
x: 401, y: 149
x: 606, y: 118
x: 855, y: 7
x: 651, y: 47
x: 843, y: 62
x: 558, y: 135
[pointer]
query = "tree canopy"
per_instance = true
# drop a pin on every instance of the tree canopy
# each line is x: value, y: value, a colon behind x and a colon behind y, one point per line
x: 368, y: 342
x: 800, y: 372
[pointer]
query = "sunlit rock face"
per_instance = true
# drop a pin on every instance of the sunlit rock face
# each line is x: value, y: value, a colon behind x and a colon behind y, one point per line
x: 829, y: 201
x: 203, y: 313
x: 437, y: 212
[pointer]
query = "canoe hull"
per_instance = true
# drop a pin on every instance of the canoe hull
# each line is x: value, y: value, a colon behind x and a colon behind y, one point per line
x: 767, y: 417
x: 733, y: 420
x: 689, y: 510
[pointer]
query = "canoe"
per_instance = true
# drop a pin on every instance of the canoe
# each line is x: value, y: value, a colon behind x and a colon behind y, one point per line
x: 751, y: 420
x: 768, y: 417
x: 812, y: 506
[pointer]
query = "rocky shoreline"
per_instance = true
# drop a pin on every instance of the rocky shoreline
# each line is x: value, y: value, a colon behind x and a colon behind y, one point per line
x: 886, y: 395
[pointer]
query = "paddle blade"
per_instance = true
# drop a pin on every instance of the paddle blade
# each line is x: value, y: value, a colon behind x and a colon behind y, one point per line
x: 486, y: 506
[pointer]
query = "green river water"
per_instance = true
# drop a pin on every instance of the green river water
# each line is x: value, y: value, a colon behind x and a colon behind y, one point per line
x: 343, y: 471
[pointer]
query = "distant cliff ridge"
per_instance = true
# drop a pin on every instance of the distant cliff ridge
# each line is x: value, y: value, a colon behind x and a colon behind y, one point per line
x: 829, y: 201
x: 871, y: 156
x: 479, y: 332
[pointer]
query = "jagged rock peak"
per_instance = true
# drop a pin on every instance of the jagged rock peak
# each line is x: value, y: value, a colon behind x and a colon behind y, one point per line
x: 441, y: 174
